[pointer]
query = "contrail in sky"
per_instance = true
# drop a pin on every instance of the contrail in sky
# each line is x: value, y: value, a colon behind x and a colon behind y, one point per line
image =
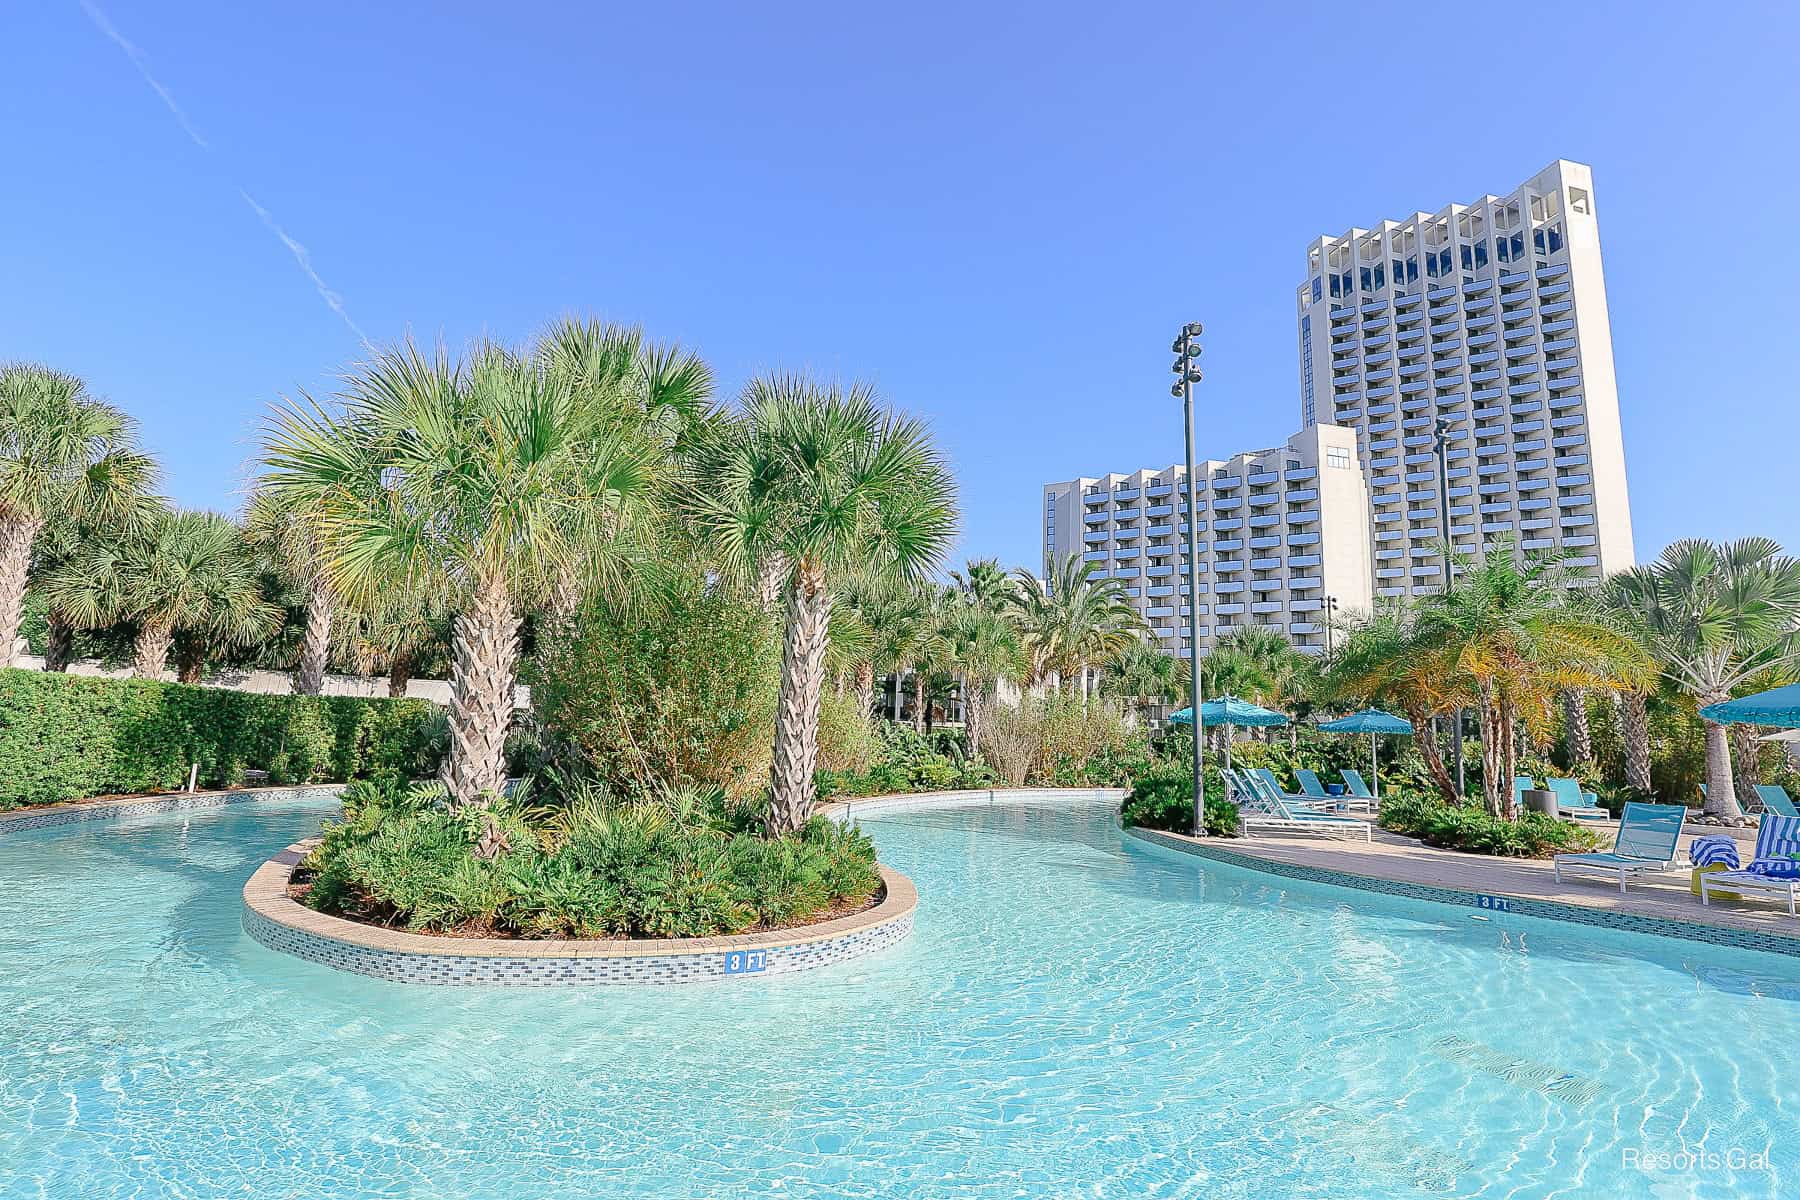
x: 333, y: 300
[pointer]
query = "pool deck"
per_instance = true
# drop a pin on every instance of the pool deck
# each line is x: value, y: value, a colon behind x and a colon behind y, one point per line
x: 1663, y: 897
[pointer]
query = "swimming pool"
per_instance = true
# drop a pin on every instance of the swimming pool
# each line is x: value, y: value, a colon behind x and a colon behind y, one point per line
x: 1076, y: 1014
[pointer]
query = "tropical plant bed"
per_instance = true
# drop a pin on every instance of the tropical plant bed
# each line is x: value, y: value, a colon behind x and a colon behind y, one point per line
x: 1474, y: 829
x: 300, y: 886
x: 580, y: 865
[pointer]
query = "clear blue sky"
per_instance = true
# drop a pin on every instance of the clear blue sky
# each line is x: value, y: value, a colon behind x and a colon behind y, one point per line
x: 1000, y: 216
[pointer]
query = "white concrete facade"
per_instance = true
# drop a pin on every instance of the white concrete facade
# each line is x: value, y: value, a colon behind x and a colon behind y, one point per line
x: 1280, y: 531
x: 1491, y: 317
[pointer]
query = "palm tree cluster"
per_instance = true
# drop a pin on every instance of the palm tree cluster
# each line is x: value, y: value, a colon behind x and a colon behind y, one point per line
x: 510, y: 486
x: 1521, y: 649
x: 84, y: 535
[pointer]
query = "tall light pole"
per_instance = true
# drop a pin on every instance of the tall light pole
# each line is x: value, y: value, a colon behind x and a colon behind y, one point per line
x: 1187, y: 371
x: 1330, y: 616
x: 1443, y: 457
x: 1443, y: 462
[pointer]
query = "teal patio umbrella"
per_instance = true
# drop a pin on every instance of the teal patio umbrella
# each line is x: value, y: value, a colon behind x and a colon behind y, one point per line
x: 1228, y: 711
x: 1372, y: 721
x: 1777, y: 706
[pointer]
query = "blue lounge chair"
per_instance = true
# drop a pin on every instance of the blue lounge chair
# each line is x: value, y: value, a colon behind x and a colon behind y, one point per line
x: 1774, y: 871
x: 1309, y: 783
x: 1571, y: 801
x: 1265, y: 806
x: 1354, y: 781
x: 1317, y: 793
x: 1776, y: 800
x: 1310, y: 803
x: 1521, y: 785
x: 1648, y: 834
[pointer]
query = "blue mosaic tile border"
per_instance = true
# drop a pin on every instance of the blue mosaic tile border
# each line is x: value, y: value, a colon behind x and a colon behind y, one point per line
x: 568, y: 970
x: 112, y: 810
x: 275, y: 920
x: 1550, y: 910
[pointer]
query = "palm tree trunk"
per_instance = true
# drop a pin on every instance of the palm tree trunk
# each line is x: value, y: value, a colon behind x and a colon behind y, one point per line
x: 565, y: 598
x: 59, y: 642
x: 797, y: 716
x: 486, y: 654
x: 1493, y: 760
x: 771, y: 578
x: 1747, y: 772
x: 16, y: 536
x: 150, y: 653
x: 865, y: 687
x: 1721, y: 800
x: 974, y: 701
x: 1576, y: 734
x: 1428, y: 750
x: 1509, y: 745
x: 315, y: 644
x: 400, y: 670
x: 918, y: 700
x: 190, y: 660
x: 1635, y: 725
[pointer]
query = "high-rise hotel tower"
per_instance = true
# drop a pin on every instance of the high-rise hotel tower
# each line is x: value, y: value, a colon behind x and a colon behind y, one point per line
x: 1491, y: 318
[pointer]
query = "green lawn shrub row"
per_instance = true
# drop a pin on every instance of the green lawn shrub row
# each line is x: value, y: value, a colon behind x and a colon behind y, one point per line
x: 68, y: 737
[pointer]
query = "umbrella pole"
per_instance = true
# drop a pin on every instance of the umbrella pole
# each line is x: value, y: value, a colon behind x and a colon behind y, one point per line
x: 1228, y: 745
x: 1374, y: 767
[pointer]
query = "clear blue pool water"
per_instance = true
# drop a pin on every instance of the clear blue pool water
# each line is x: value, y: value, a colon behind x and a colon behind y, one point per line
x: 1077, y: 1015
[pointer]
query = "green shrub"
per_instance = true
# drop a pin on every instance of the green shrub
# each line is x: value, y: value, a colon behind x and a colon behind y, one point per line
x: 679, y: 691
x: 1162, y: 797
x: 909, y: 761
x: 68, y: 737
x: 1471, y: 828
x: 690, y: 864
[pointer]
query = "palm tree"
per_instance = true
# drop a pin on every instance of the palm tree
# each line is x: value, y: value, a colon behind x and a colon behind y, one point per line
x: 130, y: 509
x: 397, y: 632
x: 1145, y: 676
x: 895, y: 619
x: 186, y: 574
x: 827, y: 482
x: 487, y: 482
x: 980, y: 645
x: 1715, y: 616
x: 1509, y: 634
x: 659, y: 397
x: 64, y: 456
x: 1076, y: 619
x: 928, y: 654
x: 1381, y: 660
x: 985, y: 584
x: 288, y: 532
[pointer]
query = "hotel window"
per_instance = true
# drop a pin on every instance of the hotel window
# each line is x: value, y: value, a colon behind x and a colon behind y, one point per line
x: 1337, y: 456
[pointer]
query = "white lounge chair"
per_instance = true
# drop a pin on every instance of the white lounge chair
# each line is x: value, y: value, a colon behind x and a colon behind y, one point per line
x: 1648, y: 834
x: 1264, y: 807
x: 1777, y: 844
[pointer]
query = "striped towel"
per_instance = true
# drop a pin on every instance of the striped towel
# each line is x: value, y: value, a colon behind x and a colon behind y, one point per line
x: 1777, y: 845
x: 1713, y: 850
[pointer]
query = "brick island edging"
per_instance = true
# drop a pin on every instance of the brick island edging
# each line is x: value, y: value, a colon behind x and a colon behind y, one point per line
x: 276, y: 920
x: 19, y: 820
x: 1518, y: 906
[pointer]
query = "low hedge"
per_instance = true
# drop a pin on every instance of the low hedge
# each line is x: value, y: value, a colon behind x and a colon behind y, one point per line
x: 68, y: 737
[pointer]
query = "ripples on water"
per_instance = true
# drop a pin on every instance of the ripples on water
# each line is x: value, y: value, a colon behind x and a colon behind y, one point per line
x: 1076, y: 1015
